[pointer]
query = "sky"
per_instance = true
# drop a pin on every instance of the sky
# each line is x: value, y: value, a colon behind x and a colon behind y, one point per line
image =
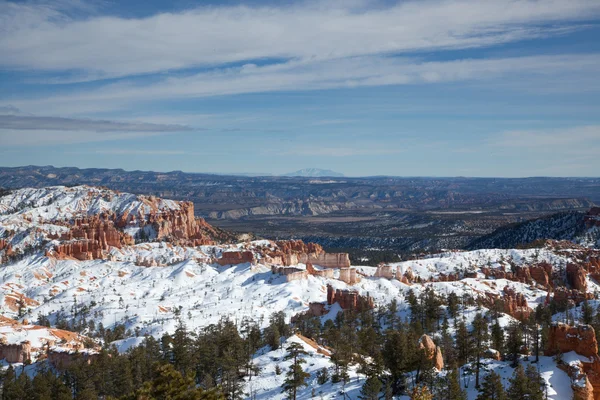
x: 503, y: 88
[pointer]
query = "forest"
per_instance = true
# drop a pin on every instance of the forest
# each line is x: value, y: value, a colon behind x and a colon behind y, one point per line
x: 214, y: 362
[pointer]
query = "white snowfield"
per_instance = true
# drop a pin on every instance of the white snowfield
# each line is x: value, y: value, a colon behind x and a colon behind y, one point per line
x: 150, y: 299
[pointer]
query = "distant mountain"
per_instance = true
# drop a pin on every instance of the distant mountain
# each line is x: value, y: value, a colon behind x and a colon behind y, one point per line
x: 578, y: 227
x: 315, y: 173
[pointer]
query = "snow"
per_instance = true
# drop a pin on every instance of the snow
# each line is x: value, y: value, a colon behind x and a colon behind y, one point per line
x: 150, y: 300
x: 268, y: 384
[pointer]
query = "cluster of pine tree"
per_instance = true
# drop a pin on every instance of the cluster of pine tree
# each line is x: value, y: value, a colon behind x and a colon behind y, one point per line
x: 213, y: 362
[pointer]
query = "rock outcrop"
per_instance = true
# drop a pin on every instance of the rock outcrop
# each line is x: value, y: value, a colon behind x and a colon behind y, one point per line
x: 15, y: 353
x: 585, y: 374
x: 576, y: 275
x: 348, y: 275
x: 290, y: 273
x: 515, y: 304
x: 38, y: 340
x: 432, y: 352
x: 324, y: 273
x: 291, y: 252
x: 235, y: 257
x: 563, y: 338
x: 384, y: 271
x: 349, y: 300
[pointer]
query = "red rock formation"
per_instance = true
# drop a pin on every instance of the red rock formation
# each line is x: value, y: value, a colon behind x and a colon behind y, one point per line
x: 408, y: 277
x: 576, y: 277
x: 384, y: 271
x: 581, y: 339
x: 324, y: 273
x: 326, y: 260
x: 563, y: 338
x: 432, y: 352
x: 317, y: 309
x: 15, y: 353
x: 515, y: 304
x: 349, y: 300
x: 348, y: 275
x: 539, y: 273
x: 562, y: 294
x: 236, y: 257
x: 291, y: 252
x: 291, y: 273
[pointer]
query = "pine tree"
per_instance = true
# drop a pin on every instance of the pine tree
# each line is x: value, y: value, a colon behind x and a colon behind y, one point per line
x: 455, y: 392
x: 514, y: 342
x: 295, y: 377
x: 480, y: 336
x: 463, y: 343
x: 371, y: 388
x: 518, y: 384
x: 535, y: 383
x: 168, y: 383
x: 492, y: 388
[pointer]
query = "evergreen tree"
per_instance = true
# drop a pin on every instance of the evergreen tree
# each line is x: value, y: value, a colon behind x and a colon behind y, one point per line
x: 492, y: 388
x: 463, y: 343
x: 295, y: 377
x: 480, y: 337
x: 518, y: 384
x: 371, y: 388
x: 535, y: 383
x: 514, y: 342
x: 455, y: 392
x: 168, y: 383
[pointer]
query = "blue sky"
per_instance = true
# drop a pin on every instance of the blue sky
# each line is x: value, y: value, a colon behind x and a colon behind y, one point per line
x: 426, y: 88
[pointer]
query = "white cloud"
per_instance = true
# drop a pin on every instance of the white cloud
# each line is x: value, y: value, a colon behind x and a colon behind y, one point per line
x: 26, y: 123
x: 37, y: 37
x: 329, y: 74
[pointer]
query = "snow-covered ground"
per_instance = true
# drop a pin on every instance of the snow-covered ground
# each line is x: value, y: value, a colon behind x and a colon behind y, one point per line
x: 189, y: 285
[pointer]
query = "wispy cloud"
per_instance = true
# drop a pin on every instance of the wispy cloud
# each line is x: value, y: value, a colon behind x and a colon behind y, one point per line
x: 18, y: 129
x: 17, y: 122
x: 329, y: 74
x: 51, y: 38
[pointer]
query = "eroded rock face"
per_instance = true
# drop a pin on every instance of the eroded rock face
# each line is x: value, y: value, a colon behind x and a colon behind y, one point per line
x: 290, y: 273
x: 91, y: 237
x: 15, y: 353
x: 563, y: 338
x: 349, y: 300
x: 576, y: 277
x: 384, y: 271
x: 38, y: 340
x: 432, y: 352
x: 324, y: 273
x: 291, y: 252
x: 515, y: 304
x: 236, y: 257
x: 581, y: 339
x: 562, y: 294
x: 348, y: 275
